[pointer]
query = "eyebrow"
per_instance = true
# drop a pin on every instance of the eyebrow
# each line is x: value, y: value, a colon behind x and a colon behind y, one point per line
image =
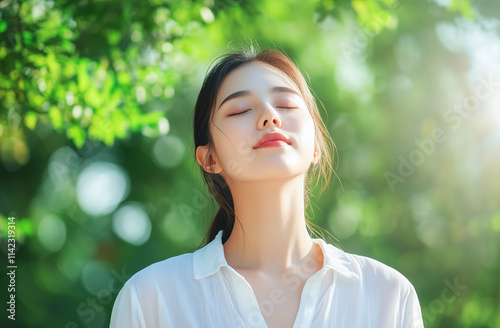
x: 243, y: 93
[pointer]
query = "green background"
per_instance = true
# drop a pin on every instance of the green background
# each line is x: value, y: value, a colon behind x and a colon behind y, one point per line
x: 97, y: 156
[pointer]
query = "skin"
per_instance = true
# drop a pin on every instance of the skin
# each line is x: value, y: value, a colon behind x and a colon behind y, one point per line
x: 273, y: 251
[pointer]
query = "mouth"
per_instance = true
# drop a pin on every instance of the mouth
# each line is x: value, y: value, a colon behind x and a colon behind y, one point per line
x: 274, y: 139
x: 273, y: 143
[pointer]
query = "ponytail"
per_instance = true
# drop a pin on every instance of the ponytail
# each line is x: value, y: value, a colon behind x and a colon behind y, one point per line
x: 224, y: 219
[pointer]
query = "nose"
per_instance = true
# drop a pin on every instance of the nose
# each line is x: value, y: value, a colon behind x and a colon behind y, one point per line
x: 269, y: 116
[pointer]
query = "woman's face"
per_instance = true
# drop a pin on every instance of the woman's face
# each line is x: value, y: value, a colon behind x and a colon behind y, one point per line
x: 253, y: 100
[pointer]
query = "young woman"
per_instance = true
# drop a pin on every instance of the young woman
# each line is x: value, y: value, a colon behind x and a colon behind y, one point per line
x: 258, y: 134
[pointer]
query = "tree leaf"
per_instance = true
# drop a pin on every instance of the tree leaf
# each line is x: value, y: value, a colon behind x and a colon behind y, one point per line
x: 3, y: 26
x: 30, y: 120
x: 77, y: 134
x: 56, y: 118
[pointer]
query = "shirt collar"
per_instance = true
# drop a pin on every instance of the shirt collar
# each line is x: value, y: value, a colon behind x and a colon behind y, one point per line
x: 336, y: 259
x: 208, y: 260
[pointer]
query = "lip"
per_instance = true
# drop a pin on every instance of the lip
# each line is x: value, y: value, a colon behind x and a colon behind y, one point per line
x: 273, y: 139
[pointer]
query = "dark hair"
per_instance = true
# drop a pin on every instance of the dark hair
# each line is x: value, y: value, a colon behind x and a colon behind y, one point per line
x: 218, y: 188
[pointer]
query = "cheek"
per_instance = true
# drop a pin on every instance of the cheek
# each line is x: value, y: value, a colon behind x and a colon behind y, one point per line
x: 306, y: 133
x: 233, y: 142
x: 221, y: 140
x: 233, y: 150
x: 301, y: 122
x: 241, y: 132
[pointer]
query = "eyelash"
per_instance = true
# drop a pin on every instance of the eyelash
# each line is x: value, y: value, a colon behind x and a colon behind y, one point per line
x: 249, y: 109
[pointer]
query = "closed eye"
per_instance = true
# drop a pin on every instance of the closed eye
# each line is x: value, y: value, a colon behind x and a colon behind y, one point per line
x: 239, y: 113
x: 284, y: 107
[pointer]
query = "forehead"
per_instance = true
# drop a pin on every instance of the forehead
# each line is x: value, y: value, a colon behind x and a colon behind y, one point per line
x: 254, y: 77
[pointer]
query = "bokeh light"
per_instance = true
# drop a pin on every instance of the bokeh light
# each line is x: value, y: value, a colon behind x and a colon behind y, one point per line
x: 345, y: 218
x: 52, y: 232
x: 101, y: 187
x: 177, y: 226
x: 168, y: 151
x: 132, y: 224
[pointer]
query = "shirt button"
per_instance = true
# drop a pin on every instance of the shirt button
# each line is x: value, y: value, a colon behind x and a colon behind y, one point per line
x: 312, y: 294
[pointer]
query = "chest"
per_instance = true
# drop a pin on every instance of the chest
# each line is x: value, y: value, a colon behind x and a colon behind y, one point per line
x: 278, y: 298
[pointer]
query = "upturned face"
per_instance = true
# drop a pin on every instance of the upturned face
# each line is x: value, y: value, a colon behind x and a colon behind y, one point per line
x: 254, y: 100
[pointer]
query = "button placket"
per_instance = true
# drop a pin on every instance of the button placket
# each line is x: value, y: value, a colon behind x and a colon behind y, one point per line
x: 308, y: 300
x: 247, y: 302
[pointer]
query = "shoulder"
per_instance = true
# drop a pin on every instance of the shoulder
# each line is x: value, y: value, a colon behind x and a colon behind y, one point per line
x: 174, y: 269
x: 157, y: 285
x: 384, y: 294
x: 377, y: 275
x: 380, y: 285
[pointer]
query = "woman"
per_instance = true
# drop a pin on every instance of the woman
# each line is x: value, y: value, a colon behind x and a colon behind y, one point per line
x: 258, y: 133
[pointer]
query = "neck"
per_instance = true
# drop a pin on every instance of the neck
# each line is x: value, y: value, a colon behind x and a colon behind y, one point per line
x: 270, y: 232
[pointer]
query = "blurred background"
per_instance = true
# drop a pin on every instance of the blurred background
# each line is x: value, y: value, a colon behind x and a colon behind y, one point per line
x: 97, y: 156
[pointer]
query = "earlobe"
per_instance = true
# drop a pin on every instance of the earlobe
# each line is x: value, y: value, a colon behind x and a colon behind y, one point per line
x: 317, y: 155
x: 316, y: 158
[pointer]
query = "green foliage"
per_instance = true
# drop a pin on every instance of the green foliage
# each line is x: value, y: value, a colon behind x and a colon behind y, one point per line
x: 87, y: 79
x: 376, y: 16
x: 463, y: 7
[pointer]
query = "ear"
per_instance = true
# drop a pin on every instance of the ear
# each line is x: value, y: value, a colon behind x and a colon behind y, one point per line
x: 317, y: 154
x: 207, y: 161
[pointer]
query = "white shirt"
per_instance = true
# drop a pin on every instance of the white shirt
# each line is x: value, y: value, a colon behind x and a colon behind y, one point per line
x: 201, y: 290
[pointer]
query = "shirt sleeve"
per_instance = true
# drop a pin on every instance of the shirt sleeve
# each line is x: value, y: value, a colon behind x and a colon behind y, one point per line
x: 127, y: 311
x: 413, y: 313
